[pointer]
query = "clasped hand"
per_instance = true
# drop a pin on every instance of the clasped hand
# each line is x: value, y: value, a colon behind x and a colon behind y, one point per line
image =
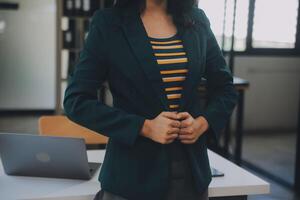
x: 168, y: 126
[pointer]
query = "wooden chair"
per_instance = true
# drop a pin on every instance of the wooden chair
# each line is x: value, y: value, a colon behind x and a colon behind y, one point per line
x: 59, y: 125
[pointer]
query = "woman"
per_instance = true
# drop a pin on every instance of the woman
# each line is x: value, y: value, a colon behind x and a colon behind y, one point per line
x: 153, y: 54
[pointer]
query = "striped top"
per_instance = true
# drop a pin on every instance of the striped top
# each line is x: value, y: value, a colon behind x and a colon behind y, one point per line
x: 172, y: 61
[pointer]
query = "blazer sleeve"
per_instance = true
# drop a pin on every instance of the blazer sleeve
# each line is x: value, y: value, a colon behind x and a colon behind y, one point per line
x: 222, y: 96
x: 80, y: 101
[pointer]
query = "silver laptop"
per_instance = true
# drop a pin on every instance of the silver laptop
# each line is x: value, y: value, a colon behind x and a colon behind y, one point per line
x: 45, y: 156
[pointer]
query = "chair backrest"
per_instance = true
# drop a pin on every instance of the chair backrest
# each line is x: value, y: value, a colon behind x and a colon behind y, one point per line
x: 59, y: 125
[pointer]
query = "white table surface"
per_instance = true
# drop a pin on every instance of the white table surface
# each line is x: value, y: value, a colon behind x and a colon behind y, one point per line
x: 236, y: 181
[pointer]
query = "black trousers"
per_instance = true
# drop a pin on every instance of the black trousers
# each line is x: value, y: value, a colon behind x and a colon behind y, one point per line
x: 181, y: 185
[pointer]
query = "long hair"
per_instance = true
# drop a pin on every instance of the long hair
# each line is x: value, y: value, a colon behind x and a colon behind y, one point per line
x: 179, y: 9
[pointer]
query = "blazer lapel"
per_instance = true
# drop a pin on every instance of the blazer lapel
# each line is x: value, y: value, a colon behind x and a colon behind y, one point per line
x: 141, y: 47
x: 190, y: 40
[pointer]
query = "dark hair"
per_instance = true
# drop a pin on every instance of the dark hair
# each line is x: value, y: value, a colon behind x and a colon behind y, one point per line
x: 179, y: 9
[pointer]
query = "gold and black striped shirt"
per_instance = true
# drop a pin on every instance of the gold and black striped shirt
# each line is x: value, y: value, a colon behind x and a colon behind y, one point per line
x: 172, y: 61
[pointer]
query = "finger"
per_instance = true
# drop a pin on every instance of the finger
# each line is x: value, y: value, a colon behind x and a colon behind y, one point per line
x: 183, y: 115
x: 186, y: 131
x: 173, y: 131
x: 172, y: 136
x: 169, y: 141
x: 170, y: 115
x: 188, y: 141
x: 186, y: 123
x: 186, y: 137
x: 175, y: 124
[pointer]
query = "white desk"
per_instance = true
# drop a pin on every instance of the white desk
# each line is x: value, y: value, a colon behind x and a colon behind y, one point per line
x: 236, y: 182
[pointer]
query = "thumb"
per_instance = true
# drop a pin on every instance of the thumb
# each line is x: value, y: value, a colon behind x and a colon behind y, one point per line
x: 183, y: 115
x: 170, y: 115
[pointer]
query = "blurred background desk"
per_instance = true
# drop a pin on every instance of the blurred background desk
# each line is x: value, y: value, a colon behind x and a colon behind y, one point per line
x: 237, y: 183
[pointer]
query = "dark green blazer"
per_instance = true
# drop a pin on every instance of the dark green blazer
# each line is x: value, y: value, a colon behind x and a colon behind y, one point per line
x: 117, y: 50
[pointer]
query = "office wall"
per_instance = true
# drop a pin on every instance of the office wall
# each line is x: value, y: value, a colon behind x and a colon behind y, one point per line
x: 271, y: 103
x: 27, y: 56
